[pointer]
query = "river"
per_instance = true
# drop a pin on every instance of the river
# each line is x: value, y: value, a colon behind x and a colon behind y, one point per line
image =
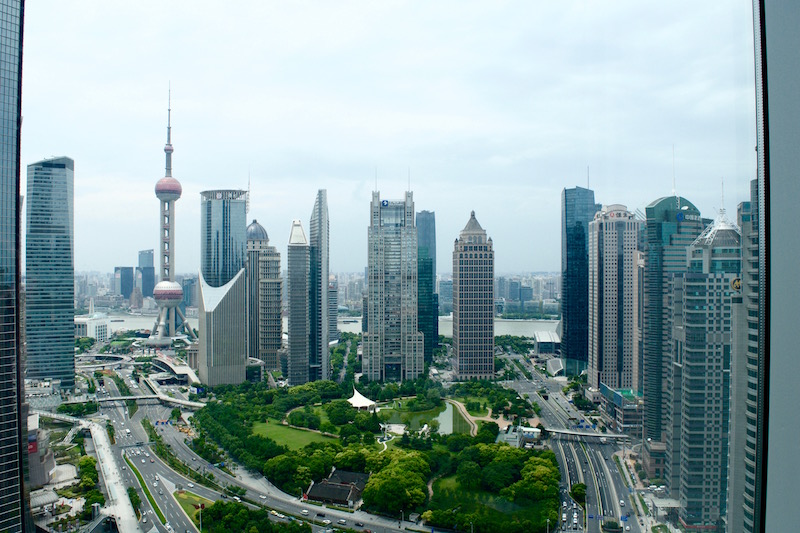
x: 517, y: 328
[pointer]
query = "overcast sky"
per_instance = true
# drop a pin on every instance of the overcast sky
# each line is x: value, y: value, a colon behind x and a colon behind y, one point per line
x: 493, y: 106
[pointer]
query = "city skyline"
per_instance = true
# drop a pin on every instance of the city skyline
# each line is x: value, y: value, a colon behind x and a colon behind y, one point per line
x: 476, y: 123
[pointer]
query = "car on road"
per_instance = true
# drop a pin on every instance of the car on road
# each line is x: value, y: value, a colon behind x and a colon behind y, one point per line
x: 191, y: 485
x: 142, y: 461
x: 263, y: 497
x: 321, y: 515
x: 359, y: 524
x: 151, y: 460
x: 326, y: 522
x: 341, y: 521
x: 304, y: 512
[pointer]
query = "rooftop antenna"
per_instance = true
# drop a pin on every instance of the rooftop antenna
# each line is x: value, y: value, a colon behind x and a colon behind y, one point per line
x: 587, y: 177
x: 673, y: 170
x: 376, y: 178
x: 722, y: 206
x: 247, y: 202
x: 409, y: 178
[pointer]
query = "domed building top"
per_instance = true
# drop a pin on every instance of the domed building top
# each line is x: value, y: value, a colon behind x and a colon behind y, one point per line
x: 256, y: 232
x: 168, y: 186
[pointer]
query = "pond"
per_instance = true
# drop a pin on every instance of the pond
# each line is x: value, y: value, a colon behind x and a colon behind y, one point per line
x: 450, y: 420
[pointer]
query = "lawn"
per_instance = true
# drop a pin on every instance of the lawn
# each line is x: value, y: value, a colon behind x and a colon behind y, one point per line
x: 479, y: 399
x: 188, y: 500
x: 293, y: 438
x: 448, y: 494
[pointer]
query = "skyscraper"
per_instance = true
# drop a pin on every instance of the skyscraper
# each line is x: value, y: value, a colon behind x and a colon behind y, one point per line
x: 319, y: 355
x: 742, y: 484
x: 222, y: 354
x: 473, y: 302
x: 123, y: 281
x: 672, y: 223
x: 613, y: 239
x: 297, y: 297
x: 577, y: 211
x: 14, y: 516
x: 146, y: 273
x: 264, y: 284
x: 699, y: 380
x: 50, y: 273
x: 427, y: 304
x: 393, y: 345
x: 168, y: 293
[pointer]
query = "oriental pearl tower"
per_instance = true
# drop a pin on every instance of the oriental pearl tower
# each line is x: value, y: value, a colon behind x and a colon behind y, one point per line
x: 168, y: 293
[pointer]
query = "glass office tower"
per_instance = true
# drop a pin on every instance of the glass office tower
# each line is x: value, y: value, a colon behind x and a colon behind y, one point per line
x: 13, y: 422
x: 50, y: 272
x: 577, y: 211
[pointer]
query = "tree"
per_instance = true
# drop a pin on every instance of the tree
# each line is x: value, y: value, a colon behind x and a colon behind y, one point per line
x: 468, y: 475
x: 578, y: 492
x: 176, y: 414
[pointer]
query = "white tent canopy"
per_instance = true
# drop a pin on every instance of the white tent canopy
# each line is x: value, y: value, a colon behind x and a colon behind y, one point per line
x: 359, y: 401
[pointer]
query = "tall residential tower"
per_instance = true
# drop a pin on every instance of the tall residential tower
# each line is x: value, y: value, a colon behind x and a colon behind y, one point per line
x: 613, y: 242
x: 264, y: 285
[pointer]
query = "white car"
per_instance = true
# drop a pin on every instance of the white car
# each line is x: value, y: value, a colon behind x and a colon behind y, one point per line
x: 191, y: 485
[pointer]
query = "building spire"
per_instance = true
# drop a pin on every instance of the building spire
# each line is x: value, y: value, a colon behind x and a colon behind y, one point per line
x: 168, y: 146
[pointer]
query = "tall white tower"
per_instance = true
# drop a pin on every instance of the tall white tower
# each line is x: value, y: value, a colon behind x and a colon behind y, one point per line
x: 168, y: 293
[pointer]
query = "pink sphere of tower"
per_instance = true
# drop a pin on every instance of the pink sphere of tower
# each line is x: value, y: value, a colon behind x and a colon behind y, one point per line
x: 168, y: 189
x: 168, y: 293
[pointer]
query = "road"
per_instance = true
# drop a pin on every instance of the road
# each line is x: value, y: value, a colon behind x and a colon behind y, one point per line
x: 580, y: 461
x: 258, y: 490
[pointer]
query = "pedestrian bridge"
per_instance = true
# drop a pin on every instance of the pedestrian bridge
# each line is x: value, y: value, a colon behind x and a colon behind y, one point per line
x: 160, y: 397
x: 586, y: 434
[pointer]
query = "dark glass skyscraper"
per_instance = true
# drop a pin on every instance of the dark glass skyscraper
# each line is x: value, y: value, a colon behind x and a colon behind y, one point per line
x: 50, y: 273
x: 13, y: 432
x: 577, y: 210
x: 427, y: 303
x: 146, y: 272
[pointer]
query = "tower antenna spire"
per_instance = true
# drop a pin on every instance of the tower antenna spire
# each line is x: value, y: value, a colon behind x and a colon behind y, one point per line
x: 409, y: 178
x: 168, y: 147
x: 587, y: 177
x: 247, y: 202
x: 673, y: 171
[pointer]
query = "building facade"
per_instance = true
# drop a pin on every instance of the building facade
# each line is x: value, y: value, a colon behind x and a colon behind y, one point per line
x: 699, y: 383
x: 672, y: 223
x: 14, y: 515
x: 577, y: 211
x: 146, y: 273
x: 428, y: 302
x: 50, y: 272
x: 742, y: 484
x: 123, y: 281
x: 264, y: 287
x: 298, y: 258
x: 473, y: 303
x: 393, y: 347
x: 222, y: 352
x: 333, y: 309
x: 613, y: 243
x: 319, y: 273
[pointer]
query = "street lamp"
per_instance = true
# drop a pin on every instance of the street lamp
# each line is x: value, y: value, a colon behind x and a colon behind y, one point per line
x: 548, y: 525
